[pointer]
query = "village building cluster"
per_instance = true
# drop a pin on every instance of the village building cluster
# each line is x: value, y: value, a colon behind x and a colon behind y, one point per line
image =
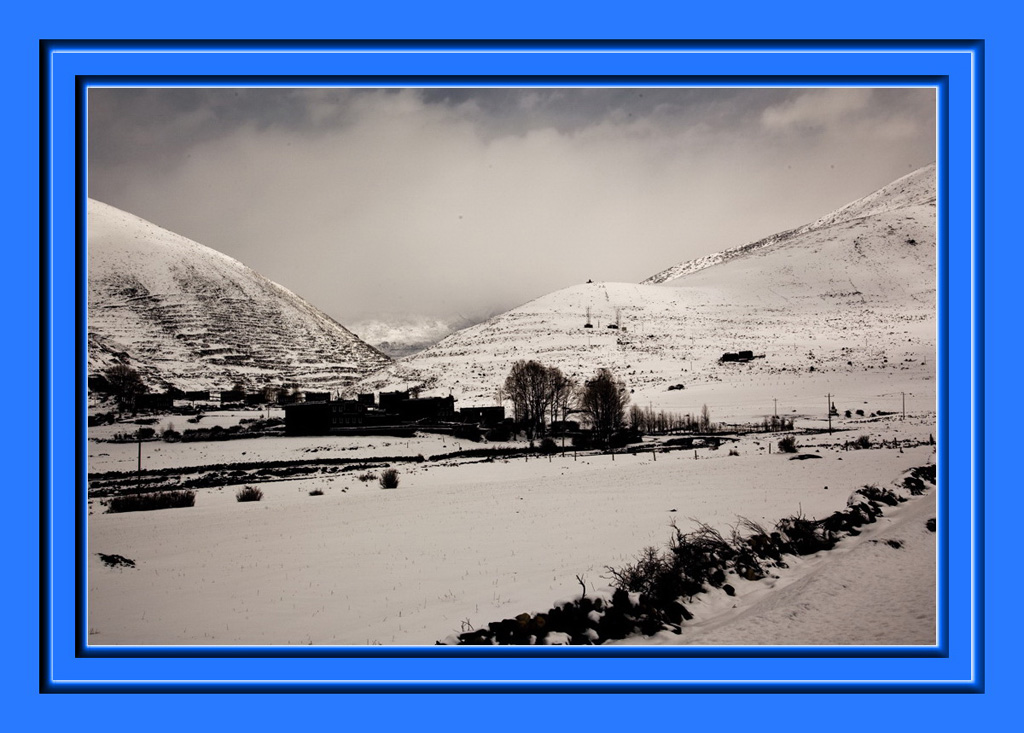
x: 392, y: 409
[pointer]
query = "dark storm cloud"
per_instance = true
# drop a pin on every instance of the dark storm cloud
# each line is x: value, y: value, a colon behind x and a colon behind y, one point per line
x: 461, y: 201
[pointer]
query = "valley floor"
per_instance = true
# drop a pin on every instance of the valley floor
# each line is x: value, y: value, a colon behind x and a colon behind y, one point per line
x: 459, y: 544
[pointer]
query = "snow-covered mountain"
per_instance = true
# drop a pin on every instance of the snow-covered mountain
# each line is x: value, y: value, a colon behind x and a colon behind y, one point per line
x: 912, y: 190
x: 846, y: 304
x: 399, y: 336
x: 185, y: 315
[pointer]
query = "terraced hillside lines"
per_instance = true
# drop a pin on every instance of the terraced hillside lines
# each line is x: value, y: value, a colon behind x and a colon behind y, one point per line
x: 848, y: 302
x: 186, y: 315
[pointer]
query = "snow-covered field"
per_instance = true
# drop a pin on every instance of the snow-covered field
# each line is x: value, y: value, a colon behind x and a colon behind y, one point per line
x: 462, y: 544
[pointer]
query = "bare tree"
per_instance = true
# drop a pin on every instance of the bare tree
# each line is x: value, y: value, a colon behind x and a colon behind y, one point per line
x: 604, y: 400
x: 637, y: 419
x: 537, y: 391
x: 705, y: 419
x: 125, y: 384
x: 526, y: 386
x: 564, y: 394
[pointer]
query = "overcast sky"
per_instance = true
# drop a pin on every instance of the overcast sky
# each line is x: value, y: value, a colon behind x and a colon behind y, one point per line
x: 445, y: 202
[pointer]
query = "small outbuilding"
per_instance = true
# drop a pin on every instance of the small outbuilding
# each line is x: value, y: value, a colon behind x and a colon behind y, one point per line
x: 484, y: 416
x: 319, y: 418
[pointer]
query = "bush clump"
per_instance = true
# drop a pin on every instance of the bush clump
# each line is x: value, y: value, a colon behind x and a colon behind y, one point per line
x: 389, y: 478
x: 916, y: 482
x: 862, y: 443
x: 316, y: 492
x: 249, y: 493
x: 548, y: 446
x: 152, y: 501
x: 788, y: 445
x: 882, y: 496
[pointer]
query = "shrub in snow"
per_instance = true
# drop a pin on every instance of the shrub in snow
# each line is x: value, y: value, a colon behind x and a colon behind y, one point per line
x: 368, y: 476
x: 788, y: 445
x: 116, y: 561
x: 862, y: 442
x: 882, y: 496
x: 805, y: 536
x: 915, y: 482
x: 150, y: 502
x: 389, y: 478
x: 316, y: 492
x: 548, y: 446
x: 249, y: 493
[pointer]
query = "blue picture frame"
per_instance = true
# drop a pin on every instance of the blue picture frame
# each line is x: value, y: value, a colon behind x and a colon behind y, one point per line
x: 959, y: 665
x: 69, y: 664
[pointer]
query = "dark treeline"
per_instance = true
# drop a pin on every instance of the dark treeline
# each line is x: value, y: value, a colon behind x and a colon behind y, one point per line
x: 650, y: 422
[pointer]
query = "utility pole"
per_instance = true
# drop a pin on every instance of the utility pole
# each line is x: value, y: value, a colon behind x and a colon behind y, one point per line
x: 829, y: 408
x: 138, y: 475
x: 904, y: 395
x: 776, y: 400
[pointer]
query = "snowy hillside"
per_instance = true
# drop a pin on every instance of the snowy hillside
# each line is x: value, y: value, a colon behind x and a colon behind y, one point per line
x: 185, y: 315
x: 913, y: 190
x: 844, y: 305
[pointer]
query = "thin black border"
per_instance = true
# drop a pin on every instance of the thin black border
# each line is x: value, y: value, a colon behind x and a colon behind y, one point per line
x: 977, y: 170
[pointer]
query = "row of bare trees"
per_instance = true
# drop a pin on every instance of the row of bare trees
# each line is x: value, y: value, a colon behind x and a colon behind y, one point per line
x: 646, y: 420
x: 542, y: 394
